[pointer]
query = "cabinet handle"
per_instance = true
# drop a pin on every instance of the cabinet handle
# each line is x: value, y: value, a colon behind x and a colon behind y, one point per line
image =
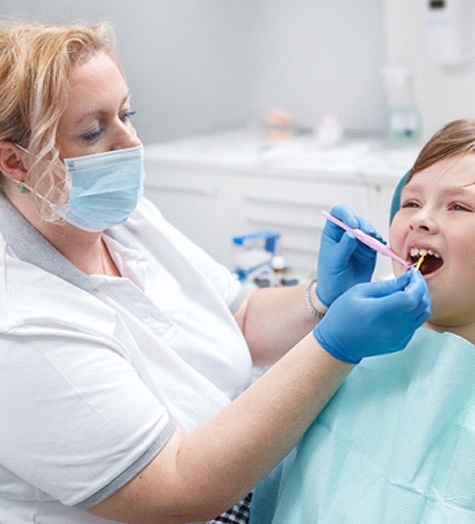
x: 286, y: 224
x: 203, y: 191
x: 286, y: 202
x: 311, y: 250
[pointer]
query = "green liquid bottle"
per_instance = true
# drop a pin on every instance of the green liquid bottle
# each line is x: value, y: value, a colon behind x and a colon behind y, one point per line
x: 403, y: 126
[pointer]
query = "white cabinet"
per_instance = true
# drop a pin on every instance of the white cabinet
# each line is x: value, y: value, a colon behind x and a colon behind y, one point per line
x: 293, y: 208
x: 212, y: 194
x: 197, y: 204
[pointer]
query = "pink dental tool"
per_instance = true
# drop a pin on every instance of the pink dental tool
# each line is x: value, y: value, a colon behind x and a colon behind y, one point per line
x: 368, y: 240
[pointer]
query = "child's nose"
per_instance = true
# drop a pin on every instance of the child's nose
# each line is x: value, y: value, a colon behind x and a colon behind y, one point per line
x: 423, y: 221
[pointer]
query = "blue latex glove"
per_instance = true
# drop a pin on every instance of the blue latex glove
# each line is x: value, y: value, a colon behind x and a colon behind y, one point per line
x: 343, y: 260
x: 374, y: 318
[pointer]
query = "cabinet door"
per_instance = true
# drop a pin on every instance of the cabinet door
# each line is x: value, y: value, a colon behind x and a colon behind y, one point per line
x: 212, y: 208
x: 194, y: 203
x: 293, y: 208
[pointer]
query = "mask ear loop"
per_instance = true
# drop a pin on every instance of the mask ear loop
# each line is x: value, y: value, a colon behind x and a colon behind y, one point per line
x: 21, y: 186
x: 25, y: 188
x: 21, y: 148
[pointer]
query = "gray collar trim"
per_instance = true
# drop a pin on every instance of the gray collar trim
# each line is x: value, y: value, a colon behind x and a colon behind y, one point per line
x: 31, y: 246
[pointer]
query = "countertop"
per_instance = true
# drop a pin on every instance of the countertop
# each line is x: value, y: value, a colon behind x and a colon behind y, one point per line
x: 247, y: 151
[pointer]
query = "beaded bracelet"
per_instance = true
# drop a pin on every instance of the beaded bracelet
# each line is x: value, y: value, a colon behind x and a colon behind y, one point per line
x: 308, y: 301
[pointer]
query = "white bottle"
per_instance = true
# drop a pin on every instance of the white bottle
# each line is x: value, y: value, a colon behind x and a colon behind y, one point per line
x: 449, y: 26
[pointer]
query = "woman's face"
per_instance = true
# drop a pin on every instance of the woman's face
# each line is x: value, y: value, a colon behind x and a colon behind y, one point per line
x: 437, y: 216
x: 97, y: 118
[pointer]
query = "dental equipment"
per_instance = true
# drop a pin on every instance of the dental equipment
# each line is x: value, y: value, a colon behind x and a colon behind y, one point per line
x: 254, y: 251
x: 368, y: 240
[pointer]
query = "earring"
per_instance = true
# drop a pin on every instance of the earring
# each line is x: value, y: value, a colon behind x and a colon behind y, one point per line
x: 22, y: 188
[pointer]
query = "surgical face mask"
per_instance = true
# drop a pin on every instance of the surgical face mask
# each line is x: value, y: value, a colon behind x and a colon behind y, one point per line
x: 105, y: 188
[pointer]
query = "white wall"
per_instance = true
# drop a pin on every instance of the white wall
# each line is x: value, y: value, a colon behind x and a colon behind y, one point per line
x: 314, y: 57
x: 184, y: 59
x: 198, y: 66
x: 442, y: 94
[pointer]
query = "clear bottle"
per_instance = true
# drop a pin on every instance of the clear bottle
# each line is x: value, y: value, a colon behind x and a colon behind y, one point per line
x: 403, y: 120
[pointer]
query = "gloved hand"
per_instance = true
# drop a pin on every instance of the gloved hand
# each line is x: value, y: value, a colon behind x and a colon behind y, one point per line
x: 374, y: 318
x: 343, y: 260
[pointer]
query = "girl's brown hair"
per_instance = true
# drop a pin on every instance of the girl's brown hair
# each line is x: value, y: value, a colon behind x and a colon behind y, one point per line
x: 455, y: 138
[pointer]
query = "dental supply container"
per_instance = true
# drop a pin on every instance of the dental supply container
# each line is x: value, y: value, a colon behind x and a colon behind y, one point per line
x: 403, y: 120
x: 254, y: 251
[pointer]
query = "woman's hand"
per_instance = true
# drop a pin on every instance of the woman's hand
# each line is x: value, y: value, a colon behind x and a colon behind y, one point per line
x: 375, y: 318
x: 343, y: 260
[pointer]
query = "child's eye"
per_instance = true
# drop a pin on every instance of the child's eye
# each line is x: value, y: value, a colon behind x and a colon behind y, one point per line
x: 93, y: 135
x: 459, y: 207
x: 410, y: 204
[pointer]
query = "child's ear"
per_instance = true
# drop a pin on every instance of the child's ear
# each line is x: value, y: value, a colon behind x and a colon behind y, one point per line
x: 11, y: 161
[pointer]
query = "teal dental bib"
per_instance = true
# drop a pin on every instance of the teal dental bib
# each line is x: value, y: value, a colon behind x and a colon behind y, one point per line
x: 396, y: 444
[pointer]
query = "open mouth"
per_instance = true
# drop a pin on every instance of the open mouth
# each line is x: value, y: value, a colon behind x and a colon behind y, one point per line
x: 432, y: 260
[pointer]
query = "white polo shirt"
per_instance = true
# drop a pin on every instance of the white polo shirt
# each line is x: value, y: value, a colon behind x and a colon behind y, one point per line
x: 95, y: 372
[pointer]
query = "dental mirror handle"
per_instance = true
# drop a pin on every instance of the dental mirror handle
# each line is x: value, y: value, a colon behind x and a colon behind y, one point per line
x: 368, y: 240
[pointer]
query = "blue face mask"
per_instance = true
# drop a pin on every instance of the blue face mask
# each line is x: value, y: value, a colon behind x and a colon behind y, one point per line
x: 106, y: 188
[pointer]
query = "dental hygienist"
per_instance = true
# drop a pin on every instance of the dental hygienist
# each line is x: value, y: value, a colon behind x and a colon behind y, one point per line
x: 125, y: 351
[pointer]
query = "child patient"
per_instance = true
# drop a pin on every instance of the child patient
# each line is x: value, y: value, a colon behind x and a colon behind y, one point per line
x: 397, y: 442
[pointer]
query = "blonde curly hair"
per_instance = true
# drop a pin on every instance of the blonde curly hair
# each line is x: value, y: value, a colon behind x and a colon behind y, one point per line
x: 35, y: 64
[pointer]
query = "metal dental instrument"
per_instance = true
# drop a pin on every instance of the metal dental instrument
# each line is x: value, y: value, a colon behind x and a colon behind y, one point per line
x: 369, y: 240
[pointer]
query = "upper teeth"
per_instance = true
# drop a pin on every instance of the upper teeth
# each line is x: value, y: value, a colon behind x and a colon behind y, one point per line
x: 416, y: 252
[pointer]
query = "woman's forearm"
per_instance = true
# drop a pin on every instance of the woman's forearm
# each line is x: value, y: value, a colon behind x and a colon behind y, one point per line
x: 274, y: 319
x: 197, y: 476
x: 261, y: 427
